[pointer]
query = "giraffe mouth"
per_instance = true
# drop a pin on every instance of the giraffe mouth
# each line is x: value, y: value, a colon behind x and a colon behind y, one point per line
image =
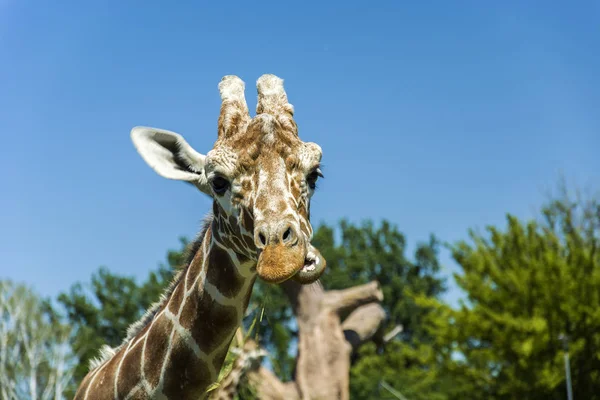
x: 277, y: 264
x: 314, y: 265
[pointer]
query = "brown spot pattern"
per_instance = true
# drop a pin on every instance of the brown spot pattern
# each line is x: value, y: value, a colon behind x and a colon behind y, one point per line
x: 130, y: 370
x: 229, y: 281
x: 103, y: 383
x: 186, y: 376
x: 177, y: 296
x: 208, y: 321
x: 157, y: 346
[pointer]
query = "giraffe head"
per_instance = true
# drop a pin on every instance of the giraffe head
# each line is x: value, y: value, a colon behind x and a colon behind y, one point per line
x: 260, y: 175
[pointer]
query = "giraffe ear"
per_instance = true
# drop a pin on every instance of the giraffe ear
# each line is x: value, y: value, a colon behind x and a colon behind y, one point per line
x: 170, y: 156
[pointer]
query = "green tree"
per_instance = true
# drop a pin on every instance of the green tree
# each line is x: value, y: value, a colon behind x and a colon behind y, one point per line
x: 527, y: 287
x: 357, y: 254
x: 366, y: 253
x: 102, y: 311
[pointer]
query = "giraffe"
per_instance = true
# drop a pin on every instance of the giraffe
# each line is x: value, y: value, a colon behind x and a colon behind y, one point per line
x: 261, y: 178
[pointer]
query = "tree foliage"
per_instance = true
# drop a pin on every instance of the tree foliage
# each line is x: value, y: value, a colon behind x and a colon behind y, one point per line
x: 357, y: 254
x: 35, y: 359
x: 528, y: 287
x: 368, y: 252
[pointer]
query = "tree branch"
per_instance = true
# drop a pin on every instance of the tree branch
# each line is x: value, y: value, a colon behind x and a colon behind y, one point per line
x: 363, y: 323
x: 347, y: 300
x: 388, y: 337
x: 323, y: 361
x: 269, y: 387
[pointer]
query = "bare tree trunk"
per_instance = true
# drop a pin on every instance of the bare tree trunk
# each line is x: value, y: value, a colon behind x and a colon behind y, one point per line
x: 325, y: 342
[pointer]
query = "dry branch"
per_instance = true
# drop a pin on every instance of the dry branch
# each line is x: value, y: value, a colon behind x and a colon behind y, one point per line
x: 270, y: 387
x: 362, y: 324
x: 347, y: 300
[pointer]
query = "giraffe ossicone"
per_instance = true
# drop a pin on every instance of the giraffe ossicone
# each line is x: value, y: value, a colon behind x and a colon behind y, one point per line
x: 261, y: 177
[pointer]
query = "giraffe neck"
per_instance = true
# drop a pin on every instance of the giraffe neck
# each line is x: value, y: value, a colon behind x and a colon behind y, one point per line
x: 180, y: 351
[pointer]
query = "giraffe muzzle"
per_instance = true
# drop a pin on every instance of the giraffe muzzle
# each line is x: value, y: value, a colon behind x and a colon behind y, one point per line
x: 281, y: 261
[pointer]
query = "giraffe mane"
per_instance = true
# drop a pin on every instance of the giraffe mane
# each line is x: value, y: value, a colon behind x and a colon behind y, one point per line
x: 106, y: 352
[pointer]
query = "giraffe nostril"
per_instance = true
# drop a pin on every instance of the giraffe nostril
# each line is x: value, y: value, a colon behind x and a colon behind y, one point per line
x: 289, y: 237
x: 287, y: 234
x: 262, y: 238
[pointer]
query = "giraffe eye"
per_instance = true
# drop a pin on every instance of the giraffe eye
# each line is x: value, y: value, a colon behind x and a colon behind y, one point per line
x: 220, y: 185
x: 312, y: 178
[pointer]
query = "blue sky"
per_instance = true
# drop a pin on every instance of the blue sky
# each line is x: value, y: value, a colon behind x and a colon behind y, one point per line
x: 439, y: 116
